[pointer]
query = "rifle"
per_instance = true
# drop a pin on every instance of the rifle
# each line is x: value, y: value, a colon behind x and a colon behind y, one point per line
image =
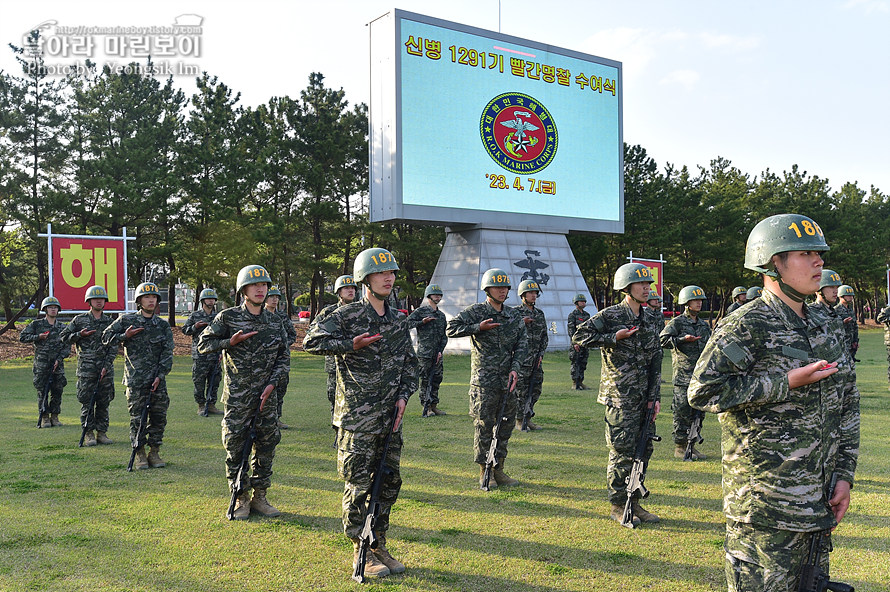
x: 812, y: 577
x: 527, y: 408
x: 143, y: 419
x: 638, y: 472
x: 429, y: 383
x: 242, y: 479
x: 490, y: 460
x: 694, y: 434
x: 368, y: 537
x: 211, y: 380
x: 43, y: 400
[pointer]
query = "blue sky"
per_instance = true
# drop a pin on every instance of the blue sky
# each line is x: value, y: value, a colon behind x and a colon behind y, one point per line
x: 765, y: 84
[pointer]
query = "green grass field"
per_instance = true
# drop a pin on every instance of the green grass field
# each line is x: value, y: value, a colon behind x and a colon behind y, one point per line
x: 74, y: 519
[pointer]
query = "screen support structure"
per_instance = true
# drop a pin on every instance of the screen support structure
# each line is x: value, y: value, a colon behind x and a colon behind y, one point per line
x: 545, y: 257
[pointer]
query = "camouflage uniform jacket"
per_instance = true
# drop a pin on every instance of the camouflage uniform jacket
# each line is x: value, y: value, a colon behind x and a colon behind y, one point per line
x: 431, y: 338
x: 851, y: 328
x: 659, y: 321
x: 288, y: 326
x: 92, y: 356
x: 884, y: 317
x: 254, y: 363
x: 148, y: 354
x: 329, y: 363
x: 684, y: 355
x: 780, y: 446
x: 733, y: 307
x: 631, y: 368
x: 47, y: 351
x: 537, y: 332
x: 496, y: 352
x: 576, y: 317
x: 369, y: 380
x: 199, y: 316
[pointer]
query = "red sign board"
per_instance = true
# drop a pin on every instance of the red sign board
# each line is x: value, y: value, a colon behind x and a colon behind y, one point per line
x: 655, y: 268
x: 79, y: 262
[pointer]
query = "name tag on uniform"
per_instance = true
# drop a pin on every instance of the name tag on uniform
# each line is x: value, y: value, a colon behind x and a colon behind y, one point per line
x: 793, y: 352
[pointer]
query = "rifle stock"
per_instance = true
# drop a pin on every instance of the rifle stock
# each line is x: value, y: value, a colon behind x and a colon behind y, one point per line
x: 527, y: 407
x: 242, y: 479
x: 694, y: 436
x: 368, y: 537
x: 637, y: 476
x: 812, y: 577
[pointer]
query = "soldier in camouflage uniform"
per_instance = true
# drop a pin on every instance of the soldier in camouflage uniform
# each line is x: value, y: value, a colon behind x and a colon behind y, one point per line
x: 847, y: 313
x: 531, y: 373
x: 148, y: 358
x: 884, y: 317
x: 777, y: 375
x: 753, y: 293
x: 344, y: 288
x: 686, y: 336
x: 49, y: 356
x: 255, y: 357
x: 578, y: 355
x: 376, y: 375
x: 630, y: 382
x: 272, y: 301
x: 826, y: 295
x: 95, y: 366
x: 500, y: 344
x: 431, y: 341
x: 206, y: 368
x: 654, y: 303
x: 739, y: 297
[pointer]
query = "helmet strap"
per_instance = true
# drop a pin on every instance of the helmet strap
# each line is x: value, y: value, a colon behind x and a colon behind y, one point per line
x: 789, y: 291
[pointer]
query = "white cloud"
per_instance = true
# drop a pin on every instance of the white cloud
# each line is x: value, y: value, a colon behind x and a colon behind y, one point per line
x: 869, y: 6
x: 685, y: 78
x: 731, y: 42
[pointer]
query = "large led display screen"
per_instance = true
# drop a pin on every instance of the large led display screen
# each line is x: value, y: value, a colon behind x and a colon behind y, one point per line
x: 473, y: 127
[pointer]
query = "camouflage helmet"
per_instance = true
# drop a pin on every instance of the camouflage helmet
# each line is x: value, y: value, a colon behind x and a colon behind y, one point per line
x: 147, y: 289
x: 208, y: 293
x: 432, y: 290
x: 754, y: 292
x: 579, y: 298
x: 344, y: 281
x: 738, y: 291
x: 252, y: 274
x: 50, y: 301
x: 373, y: 261
x: 780, y: 234
x: 653, y: 295
x: 495, y: 278
x: 632, y: 273
x: 95, y: 292
x: 690, y: 293
x: 845, y: 290
x: 274, y: 291
x: 528, y: 286
x: 829, y: 279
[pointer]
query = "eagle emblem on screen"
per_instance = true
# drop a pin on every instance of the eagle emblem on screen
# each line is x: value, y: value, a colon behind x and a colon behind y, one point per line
x: 519, y: 133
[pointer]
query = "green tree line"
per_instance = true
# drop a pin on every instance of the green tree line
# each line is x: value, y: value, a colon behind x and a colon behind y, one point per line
x: 207, y: 185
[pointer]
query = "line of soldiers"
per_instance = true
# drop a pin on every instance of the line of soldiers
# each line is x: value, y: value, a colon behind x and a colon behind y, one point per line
x: 764, y: 370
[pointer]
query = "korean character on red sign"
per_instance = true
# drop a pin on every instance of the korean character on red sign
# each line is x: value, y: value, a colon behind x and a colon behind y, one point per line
x: 563, y: 76
x: 517, y: 66
x: 533, y: 70
x: 548, y: 73
x: 413, y: 45
x: 433, y: 49
x: 609, y: 85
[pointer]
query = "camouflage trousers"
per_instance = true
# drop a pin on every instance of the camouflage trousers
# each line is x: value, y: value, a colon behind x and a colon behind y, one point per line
x: 153, y: 433
x: 281, y: 390
x: 888, y: 362
x: 202, y: 369
x: 765, y: 559
x: 332, y: 383
x: 234, y: 435
x: 95, y: 417
x: 623, y: 427
x: 358, y: 456
x: 533, y: 375
x: 54, y: 397
x: 484, y: 407
x: 579, y: 363
x: 430, y: 382
x: 683, y: 414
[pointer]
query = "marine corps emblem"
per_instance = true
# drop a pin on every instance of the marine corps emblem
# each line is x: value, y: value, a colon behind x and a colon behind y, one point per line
x: 518, y: 133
